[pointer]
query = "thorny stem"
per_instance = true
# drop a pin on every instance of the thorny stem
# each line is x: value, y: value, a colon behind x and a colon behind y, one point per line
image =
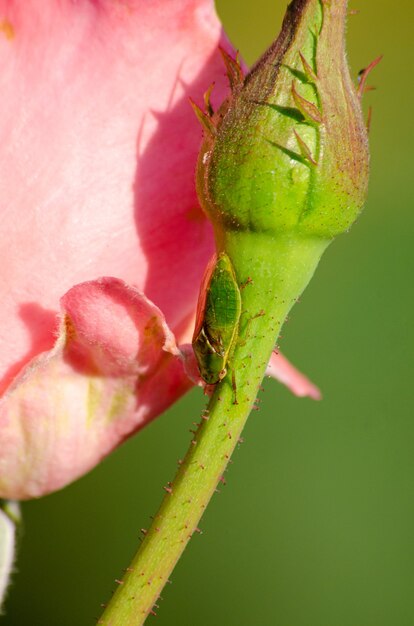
x: 294, y: 260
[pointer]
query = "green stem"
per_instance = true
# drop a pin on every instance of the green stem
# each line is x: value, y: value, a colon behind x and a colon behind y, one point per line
x: 271, y: 282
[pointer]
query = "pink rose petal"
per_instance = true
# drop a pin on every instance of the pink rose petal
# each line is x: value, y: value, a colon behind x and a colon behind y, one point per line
x: 113, y: 368
x: 98, y: 149
x: 282, y: 370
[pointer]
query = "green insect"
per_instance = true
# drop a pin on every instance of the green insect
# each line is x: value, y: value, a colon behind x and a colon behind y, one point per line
x: 217, y: 321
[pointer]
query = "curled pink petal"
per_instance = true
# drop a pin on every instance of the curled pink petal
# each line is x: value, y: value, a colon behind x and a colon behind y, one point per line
x: 117, y: 328
x: 115, y: 366
x: 282, y: 370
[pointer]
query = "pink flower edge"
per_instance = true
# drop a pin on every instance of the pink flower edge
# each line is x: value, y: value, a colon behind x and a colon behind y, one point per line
x: 113, y: 368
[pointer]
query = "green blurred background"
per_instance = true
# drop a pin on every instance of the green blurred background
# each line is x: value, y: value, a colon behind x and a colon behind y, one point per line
x: 315, y: 525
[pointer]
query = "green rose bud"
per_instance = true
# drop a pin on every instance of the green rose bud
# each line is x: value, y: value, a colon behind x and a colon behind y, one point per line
x: 288, y: 151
